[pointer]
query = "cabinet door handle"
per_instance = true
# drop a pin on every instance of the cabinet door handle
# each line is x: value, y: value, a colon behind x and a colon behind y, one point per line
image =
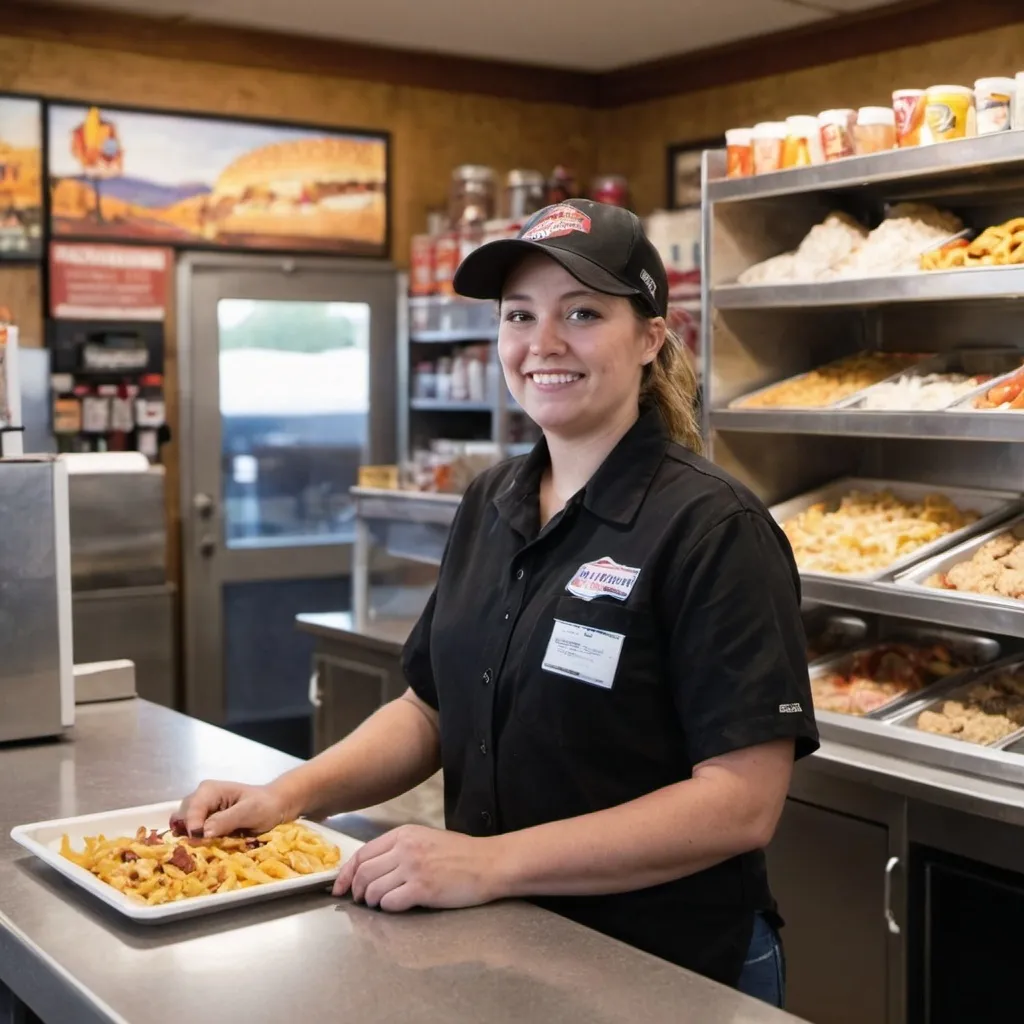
x: 890, y: 918
x: 314, y: 689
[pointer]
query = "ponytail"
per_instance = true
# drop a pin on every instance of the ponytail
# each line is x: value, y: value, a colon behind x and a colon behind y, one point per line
x: 671, y: 383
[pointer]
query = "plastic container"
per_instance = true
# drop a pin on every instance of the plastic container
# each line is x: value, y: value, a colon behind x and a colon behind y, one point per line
x: 837, y: 133
x: 739, y: 156
x: 471, y: 196
x: 803, y: 146
x: 524, y: 193
x: 950, y: 113
x: 909, y: 106
x: 612, y: 189
x: 994, y: 100
x: 767, y: 141
x: 875, y: 130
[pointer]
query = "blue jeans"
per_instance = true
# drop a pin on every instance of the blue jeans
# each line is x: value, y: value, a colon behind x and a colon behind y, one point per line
x: 764, y: 969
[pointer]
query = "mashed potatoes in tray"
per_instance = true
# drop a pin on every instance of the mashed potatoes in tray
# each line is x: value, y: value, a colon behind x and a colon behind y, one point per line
x: 869, y: 531
x: 160, y: 867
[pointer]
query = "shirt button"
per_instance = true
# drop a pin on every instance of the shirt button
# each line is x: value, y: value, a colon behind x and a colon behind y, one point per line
x: 520, y: 574
x: 485, y: 817
x: 486, y: 678
x: 483, y: 747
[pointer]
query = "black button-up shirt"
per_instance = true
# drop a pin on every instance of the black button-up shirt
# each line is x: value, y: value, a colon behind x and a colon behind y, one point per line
x: 669, y: 566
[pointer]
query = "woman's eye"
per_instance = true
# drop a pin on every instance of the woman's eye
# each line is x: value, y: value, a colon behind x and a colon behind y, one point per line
x: 584, y: 314
x: 516, y: 316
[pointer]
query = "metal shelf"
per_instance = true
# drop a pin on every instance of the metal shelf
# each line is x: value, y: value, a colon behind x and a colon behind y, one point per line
x: 444, y: 405
x: 936, y: 286
x: 933, y: 426
x: 453, y: 337
x: 966, y: 157
x: 889, y: 599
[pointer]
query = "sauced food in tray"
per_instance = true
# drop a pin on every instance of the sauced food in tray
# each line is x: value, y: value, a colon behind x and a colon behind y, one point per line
x: 1006, y: 396
x: 871, y: 679
x: 989, y: 710
x: 996, y: 569
x: 869, y: 531
x: 831, y: 383
x: 160, y: 867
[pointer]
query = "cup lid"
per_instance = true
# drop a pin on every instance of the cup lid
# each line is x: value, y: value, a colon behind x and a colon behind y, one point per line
x: 876, y: 115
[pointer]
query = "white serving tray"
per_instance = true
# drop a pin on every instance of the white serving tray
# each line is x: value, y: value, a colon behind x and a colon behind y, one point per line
x: 42, y: 838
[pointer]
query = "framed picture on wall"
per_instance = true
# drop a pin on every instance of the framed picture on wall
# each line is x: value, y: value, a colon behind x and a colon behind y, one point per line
x: 119, y: 174
x: 683, y: 172
x: 21, y: 177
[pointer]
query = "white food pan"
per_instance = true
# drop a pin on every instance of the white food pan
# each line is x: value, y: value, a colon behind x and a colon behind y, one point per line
x: 998, y: 362
x: 43, y: 838
x: 740, y: 403
x: 914, y: 578
x: 992, y: 506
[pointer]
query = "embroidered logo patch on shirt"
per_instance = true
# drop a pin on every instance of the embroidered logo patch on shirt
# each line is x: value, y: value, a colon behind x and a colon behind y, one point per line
x: 603, y: 578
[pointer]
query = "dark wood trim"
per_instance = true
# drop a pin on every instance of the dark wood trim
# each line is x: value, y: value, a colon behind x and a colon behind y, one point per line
x: 907, y: 23
x: 186, y: 39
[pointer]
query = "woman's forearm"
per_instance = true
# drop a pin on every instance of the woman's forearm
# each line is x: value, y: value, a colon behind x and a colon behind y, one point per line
x: 730, y: 807
x: 394, y: 750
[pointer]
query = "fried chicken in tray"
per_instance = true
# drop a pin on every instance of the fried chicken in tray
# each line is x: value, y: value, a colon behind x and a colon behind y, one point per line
x: 996, y: 569
x: 873, y: 678
x: 989, y: 710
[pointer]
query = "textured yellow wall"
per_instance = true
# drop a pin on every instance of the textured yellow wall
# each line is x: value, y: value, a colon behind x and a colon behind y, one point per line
x: 632, y: 140
x: 432, y: 131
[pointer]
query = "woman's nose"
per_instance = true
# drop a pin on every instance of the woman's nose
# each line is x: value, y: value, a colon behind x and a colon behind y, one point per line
x: 547, y: 338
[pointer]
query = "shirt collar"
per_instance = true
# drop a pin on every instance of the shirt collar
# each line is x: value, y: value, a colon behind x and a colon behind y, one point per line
x: 614, y: 493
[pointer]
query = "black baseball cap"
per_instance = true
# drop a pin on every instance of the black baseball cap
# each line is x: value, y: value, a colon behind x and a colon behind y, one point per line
x: 604, y: 247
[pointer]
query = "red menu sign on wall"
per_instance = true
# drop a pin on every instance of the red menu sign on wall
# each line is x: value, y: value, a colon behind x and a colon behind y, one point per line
x: 109, y: 282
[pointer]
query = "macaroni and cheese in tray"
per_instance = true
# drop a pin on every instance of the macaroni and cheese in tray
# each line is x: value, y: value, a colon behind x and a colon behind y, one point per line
x: 131, y: 860
x: 871, y: 529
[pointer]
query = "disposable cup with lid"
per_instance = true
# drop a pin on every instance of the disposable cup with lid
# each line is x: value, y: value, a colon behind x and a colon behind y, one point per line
x: 803, y: 146
x: 769, y: 130
x: 950, y: 113
x: 876, y: 115
x: 768, y: 139
x: 994, y: 99
x: 739, y: 155
x: 738, y: 136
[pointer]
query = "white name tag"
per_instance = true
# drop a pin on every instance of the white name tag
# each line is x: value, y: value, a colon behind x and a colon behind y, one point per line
x: 584, y: 653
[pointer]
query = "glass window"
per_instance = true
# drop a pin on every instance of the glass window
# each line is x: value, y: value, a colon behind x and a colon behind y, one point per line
x: 294, y: 404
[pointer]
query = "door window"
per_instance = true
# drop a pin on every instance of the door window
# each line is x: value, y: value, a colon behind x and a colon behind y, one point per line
x: 294, y: 404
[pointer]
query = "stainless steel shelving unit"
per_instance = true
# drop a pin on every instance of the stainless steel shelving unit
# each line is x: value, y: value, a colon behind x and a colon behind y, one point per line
x: 754, y: 336
x: 436, y: 324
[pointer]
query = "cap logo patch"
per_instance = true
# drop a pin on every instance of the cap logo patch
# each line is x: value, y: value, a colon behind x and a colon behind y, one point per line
x: 649, y: 281
x: 603, y: 578
x: 560, y: 220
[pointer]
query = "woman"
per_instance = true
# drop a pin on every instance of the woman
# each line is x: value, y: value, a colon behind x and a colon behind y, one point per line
x: 611, y: 669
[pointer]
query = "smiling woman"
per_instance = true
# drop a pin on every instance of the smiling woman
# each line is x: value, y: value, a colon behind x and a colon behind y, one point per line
x: 611, y: 668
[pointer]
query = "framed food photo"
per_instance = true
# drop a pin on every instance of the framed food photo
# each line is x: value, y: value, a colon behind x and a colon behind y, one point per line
x: 21, y: 177
x: 118, y: 174
x: 684, y: 172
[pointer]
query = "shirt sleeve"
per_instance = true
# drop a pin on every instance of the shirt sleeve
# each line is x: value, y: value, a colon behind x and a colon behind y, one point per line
x: 416, y: 665
x: 737, y: 651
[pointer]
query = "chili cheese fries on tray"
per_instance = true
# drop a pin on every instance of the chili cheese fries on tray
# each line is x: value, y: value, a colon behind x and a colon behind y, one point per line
x: 131, y: 860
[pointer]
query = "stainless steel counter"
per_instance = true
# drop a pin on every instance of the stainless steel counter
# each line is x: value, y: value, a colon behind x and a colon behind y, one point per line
x: 73, y: 960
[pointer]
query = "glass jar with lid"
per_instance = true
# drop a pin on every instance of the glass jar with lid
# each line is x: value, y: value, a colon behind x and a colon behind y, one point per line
x: 524, y: 193
x: 471, y: 199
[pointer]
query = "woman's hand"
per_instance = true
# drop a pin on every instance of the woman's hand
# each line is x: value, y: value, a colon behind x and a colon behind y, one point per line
x: 414, y: 866
x: 220, y: 808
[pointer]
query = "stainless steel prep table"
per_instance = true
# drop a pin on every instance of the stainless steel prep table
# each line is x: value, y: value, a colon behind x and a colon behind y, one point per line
x: 75, y: 962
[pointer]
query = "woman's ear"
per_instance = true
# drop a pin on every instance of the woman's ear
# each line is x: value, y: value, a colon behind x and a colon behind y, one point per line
x: 654, y: 333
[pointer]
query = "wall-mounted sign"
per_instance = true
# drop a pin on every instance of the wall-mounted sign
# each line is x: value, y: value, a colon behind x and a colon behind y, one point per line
x: 21, y: 178
x: 109, y: 282
x: 195, y: 181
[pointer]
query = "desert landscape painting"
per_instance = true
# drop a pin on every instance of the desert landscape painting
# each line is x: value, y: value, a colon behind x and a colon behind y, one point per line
x: 183, y: 180
x: 21, y: 177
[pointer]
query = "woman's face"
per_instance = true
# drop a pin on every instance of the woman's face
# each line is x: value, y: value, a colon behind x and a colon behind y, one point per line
x: 572, y: 358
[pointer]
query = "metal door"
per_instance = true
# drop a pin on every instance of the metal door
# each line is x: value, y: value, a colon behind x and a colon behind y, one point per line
x: 287, y: 386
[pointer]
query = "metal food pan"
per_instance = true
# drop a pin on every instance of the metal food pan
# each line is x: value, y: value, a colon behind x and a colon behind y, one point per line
x: 992, y: 506
x: 976, y: 650
x: 966, y: 404
x: 953, y: 689
x: 996, y: 362
x: 740, y: 403
x: 914, y: 578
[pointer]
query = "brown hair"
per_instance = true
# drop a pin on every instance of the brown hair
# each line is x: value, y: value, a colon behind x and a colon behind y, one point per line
x: 671, y: 383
